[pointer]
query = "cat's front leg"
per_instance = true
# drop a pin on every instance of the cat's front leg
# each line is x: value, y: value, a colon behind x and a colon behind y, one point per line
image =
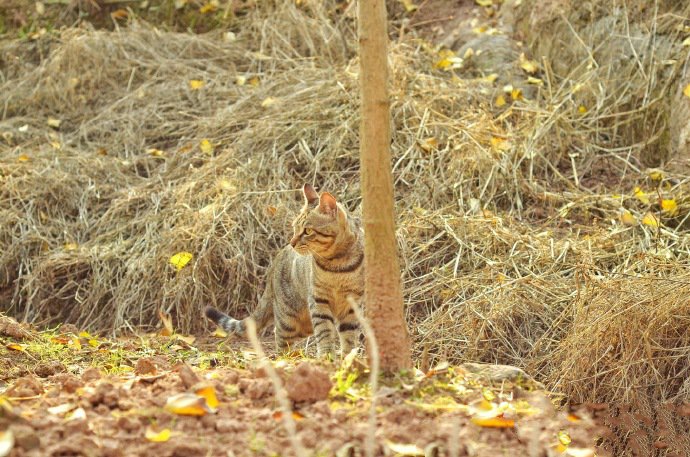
x: 323, y: 324
x: 348, y: 331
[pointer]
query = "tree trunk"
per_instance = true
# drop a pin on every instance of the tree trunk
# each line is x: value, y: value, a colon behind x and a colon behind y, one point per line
x: 383, y: 292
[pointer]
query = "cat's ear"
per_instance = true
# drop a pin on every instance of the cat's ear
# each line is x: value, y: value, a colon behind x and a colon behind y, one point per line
x: 327, y: 204
x: 310, y: 195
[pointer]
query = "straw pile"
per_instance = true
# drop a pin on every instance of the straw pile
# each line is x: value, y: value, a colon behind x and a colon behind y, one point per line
x: 510, y: 228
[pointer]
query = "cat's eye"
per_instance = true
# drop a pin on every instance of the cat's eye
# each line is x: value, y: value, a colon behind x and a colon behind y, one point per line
x: 308, y: 231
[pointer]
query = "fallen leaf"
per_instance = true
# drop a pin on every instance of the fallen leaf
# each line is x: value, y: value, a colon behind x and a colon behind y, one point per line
x: 16, y: 347
x: 483, y: 3
x: 655, y: 174
x: 181, y: 259
x: 488, y: 394
x: 650, y: 220
x: 220, y: 333
x: 157, y: 437
x: 641, y: 195
x: 23, y: 158
x: 187, y: 339
x: 240, y: 80
x: 210, y: 7
x: 255, y: 81
x: 686, y: 91
x: 196, y: 84
x: 500, y: 144
x: 516, y: 94
x: 686, y: 42
x: 580, y: 452
x: 296, y: 415
x: 500, y: 101
x: 429, y: 144
x: 76, y: 343
x: 166, y: 319
x: 6, y: 442
x: 70, y: 246
x: 405, y: 449
x: 493, y: 422
x: 188, y: 404
x: 62, y: 409
x: 627, y: 218
x: 55, y: 123
x: 206, y: 147
x: 582, y: 109
x: 574, y: 418
x: 409, y: 6
x: 564, y: 438
x: 77, y: 414
x: 268, y: 101
x: 535, y: 81
x: 208, y: 393
x: 490, y: 78
x: 670, y: 207
x: 40, y: 8
x: 530, y: 66
x: 155, y: 152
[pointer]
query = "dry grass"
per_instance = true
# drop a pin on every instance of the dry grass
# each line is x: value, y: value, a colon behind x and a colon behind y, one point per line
x: 512, y: 251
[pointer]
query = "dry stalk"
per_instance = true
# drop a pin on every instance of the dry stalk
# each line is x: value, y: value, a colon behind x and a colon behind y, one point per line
x: 280, y: 393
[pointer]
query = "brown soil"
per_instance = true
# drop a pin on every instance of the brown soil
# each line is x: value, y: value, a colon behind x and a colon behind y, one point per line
x: 82, y: 410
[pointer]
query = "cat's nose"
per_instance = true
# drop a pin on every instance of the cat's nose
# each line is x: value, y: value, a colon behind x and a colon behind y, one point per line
x: 294, y: 241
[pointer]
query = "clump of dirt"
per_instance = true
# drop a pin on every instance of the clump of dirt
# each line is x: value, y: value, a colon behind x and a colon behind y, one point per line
x: 11, y: 328
x: 308, y: 383
x: 27, y: 386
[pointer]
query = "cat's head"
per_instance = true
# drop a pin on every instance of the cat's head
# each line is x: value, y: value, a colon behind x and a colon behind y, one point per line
x: 319, y: 225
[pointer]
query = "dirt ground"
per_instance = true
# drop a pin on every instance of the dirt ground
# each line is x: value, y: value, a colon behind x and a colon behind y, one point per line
x: 62, y: 394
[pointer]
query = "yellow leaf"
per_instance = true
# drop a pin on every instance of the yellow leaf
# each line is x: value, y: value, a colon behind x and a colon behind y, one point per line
x: 530, y: 66
x: 405, y: 449
x: 94, y: 342
x: 627, y: 218
x: 268, y: 101
x: 500, y: 144
x: 240, y: 80
x: 490, y: 78
x: 535, y: 81
x: 220, y: 333
x: 23, y: 158
x: 6, y: 443
x: 564, y: 438
x: 650, y: 219
x: 155, y: 152
x: 686, y: 91
x: 429, y: 144
x: 207, y: 147
x: 208, y: 393
x: 686, y: 42
x: 655, y: 175
x: 187, y: 404
x: 254, y: 82
x: 670, y: 207
x: 70, y: 246
x: 488, y: 394
x: 16, y: 347
x: 181, y: 259
x: 500, y: 101
x: 484, y: 2
x: 55, y: 123
x: 574, y: 418
x: 409, y: 6
x: 76, y: 343
x: 641, y: 195
x: 187, y: 339
x: 516, y: 94
x: 493, y: 422
x: 166, y: 319
x: 157, y: 437
x: 196, y: 84
x: 582, y: 109
x: 84, y: 334
x: 56, y: 145
x: 209, y: 8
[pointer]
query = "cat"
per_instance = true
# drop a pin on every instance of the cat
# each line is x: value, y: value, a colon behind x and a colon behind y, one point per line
x: 310, y: 280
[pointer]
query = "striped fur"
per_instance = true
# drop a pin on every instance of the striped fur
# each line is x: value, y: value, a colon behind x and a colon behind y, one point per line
x: 309, y: 281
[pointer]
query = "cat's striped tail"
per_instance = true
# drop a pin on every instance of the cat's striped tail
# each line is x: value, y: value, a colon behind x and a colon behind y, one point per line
x: 227, y: 323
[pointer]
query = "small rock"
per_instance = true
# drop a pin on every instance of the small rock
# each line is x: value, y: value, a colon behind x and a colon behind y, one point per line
x: 25, y: 437
x: 187, y: 375
x: 91, y: 374
x: 105, y: 394
x: 144, y: 366
x: 308, y: 383
x: 50, y: 368
x: 27, y: 386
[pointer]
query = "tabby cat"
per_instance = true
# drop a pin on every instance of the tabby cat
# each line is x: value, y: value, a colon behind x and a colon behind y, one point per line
x: 309, y: 282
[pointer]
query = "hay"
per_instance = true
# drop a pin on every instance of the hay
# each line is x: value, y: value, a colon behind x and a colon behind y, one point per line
x: 512, y: 250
